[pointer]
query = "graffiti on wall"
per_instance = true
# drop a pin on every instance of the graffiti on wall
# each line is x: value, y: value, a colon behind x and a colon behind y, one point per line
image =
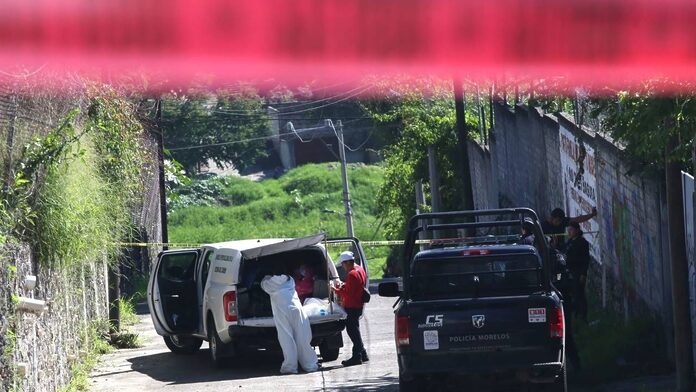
x: 630, y: 222
x: 579, y: 183
x: 629, y: 241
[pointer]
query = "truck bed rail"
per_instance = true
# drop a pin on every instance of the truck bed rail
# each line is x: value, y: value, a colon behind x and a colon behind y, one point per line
x: 471, y: 221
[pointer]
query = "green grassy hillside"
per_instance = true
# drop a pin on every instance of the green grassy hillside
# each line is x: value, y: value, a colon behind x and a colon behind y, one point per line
x: 304, y: 201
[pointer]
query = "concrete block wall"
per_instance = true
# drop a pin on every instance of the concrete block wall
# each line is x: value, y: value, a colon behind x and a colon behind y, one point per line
x: 632, y: 227
x: 485, y: 192
x: 524, y: 160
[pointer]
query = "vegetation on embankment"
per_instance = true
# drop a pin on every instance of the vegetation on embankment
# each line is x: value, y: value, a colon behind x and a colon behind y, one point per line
x: 73, y: 189
x: 304, y: 201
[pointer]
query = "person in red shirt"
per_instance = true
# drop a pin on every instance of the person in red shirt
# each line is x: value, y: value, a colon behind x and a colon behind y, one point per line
x: 351, y: 294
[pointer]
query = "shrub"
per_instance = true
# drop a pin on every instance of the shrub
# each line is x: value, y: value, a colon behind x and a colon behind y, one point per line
x: 75, y: 214
x: 127, y: 312
x: 125, y: 340
x: 609, y: 350
x: 241, y: 191
x: 313, y: 179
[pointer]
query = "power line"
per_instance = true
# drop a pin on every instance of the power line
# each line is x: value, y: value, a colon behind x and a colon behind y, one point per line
x: 334, y: 85
x: 354, y: 119
x: 350, y: 94
x: 294, y: 105
x: 240, y: 141
x: 226, y: 143
x: 292, y: 128
x: 329, y: 148
x: 194, y: 147
x: 281, y: 113
x: 361, y: 144
x: 331, y: 103
x: 201, y: 119
x: 319, y: 100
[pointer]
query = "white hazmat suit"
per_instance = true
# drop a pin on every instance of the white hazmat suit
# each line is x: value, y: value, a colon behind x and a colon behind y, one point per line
x: 294, y: 331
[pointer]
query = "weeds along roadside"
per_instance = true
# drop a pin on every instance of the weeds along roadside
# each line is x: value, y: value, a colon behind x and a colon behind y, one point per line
x: 614, y: 347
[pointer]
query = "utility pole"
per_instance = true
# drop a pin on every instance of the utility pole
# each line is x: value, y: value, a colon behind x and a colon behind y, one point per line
x: 162, y: 188
x: 338, y: 131
x: 344, y: 178
x: 114, y: 294
x: 490, y: 112
x: 434, y: 180
x: 463, y: 135
x: 420, y: 197
x: 434, y: 186
x: 420, y: 202
x: 680, y: 272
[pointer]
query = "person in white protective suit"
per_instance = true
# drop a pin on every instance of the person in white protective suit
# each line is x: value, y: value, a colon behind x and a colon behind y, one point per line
x: 294, y: 331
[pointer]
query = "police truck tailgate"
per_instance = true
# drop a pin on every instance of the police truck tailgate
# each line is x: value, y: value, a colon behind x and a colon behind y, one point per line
x: 507, y: 332
x: 484, y: 306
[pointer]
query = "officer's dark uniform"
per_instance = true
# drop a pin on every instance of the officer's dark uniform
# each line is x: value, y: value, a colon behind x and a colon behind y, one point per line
x: 578, y: 262
x: 566, y: 285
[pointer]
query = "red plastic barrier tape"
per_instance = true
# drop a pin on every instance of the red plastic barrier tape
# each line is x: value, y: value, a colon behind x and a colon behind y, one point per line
x: 590, y: 42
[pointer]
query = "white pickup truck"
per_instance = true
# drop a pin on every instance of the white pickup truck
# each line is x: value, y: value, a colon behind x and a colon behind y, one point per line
x: 212, y: 293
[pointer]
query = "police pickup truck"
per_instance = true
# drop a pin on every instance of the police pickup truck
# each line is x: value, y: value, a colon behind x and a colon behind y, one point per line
x: 213, y: 294
x: 477, y: 304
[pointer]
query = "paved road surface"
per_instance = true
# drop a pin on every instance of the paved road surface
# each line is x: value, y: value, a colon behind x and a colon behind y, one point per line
x: 153, y: 368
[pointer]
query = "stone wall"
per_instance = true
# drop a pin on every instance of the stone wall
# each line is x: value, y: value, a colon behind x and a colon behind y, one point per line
x: 523, y: 158
x: 47, y: 342
x: 7, y: 326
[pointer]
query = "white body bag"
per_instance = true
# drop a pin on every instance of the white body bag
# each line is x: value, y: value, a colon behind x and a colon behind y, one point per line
x: 294, y: 331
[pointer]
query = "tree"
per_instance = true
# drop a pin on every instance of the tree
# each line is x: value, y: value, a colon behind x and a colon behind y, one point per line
x: 223, y: 127
x: 644, y: 121
x: 463, y: 139
x: 657, y: 130
x: 420, y: 113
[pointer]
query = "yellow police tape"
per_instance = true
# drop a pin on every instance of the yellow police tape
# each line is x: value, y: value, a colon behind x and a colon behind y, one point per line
x: 185, y: 245
x: 330, y: 244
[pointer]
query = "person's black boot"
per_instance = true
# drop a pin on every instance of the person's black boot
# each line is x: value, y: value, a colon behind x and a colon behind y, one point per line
x: 354, y: 360
x: 364, y: 356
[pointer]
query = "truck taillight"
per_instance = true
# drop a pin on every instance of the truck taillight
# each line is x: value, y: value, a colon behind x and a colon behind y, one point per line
x: 476, y: 252
x: 402, y: 333
x: 229, y: 301
x: 556, y: 322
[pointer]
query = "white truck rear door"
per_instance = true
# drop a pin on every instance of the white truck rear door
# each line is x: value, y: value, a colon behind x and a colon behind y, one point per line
x: 167, y: 265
